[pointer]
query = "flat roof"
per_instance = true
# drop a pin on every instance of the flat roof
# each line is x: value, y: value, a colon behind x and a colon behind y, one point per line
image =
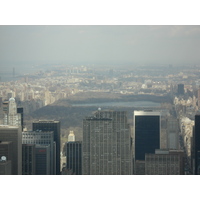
x: 8, y: 126
x: 146, y: 113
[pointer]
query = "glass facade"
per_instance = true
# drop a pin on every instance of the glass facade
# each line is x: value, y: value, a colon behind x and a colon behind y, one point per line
x: 74, y: 157
x: 55, y: 127
x: 147, y: 133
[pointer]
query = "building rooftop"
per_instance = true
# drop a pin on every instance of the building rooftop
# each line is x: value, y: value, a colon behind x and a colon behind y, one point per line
x: 8, y: 126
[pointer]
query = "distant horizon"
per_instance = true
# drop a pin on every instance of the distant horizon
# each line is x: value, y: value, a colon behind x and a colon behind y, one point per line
x: 100, y: 44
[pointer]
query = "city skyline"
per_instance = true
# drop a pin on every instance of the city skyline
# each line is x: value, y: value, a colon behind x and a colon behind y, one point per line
x: 90, y: 13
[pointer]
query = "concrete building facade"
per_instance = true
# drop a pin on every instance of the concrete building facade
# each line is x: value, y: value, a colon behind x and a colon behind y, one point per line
x: 106, y: 144
x: 14, y: 135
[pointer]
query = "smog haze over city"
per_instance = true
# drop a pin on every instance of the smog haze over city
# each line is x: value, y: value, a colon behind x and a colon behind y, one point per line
x: 116, y: 92
x: 133, y: 45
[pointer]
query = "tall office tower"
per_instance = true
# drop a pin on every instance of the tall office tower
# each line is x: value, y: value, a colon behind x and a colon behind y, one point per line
x: 42, y: 160
x: 74, y: 157
x: 5, y: 166
x: 196, y: 143
x: 165, y: 162
x: 5, y: 112
x: 42, y: 138
x: 181, y: 89
x: 71, y: 136
x: 6, y: 153
x: 28, y: 159
x: 172, y: 133
x: 14, y: 118
x: 13, y: 134
x: 55, y: 127
x: 6, y: 149
x: 106, y: 146
x: 11, y: 117
x: 147, y: 136
x: 21, y: 112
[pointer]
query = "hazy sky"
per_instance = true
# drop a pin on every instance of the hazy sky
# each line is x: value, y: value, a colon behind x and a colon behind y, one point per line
x: 104, y: 44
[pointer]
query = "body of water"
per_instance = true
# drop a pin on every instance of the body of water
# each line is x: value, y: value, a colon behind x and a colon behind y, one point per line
x: 144, y: 104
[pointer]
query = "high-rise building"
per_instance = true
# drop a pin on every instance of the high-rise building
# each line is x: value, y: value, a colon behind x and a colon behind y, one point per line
x: 42, y: 160
x: 21, y: 112
x: 196, y: 143
x: 28, y: 159
x: 14, y: 135
x: 147, y: 135
x: 181, y: 89
x: 11, y: 117
x: 71, y: 136
x: 106, y: 144
x: 172, y: 133
x: 74, y: 157
x: 165, y: 162
x: 6, y: 154
x: 42, y: 138
x: 6, y: 149
x: 55, y: 127
x: 5, y: 167
x: 5, y: 112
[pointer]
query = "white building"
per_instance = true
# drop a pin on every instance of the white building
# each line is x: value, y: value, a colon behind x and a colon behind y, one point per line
x: 71, y: 136
x: 11, y: 117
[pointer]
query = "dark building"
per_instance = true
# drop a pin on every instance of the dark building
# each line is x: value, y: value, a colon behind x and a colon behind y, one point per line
x: 106, y: 144
x: 42, y: 160
x: 6, y: 153
x: 14, y: 135
x: 42, y: 138
x: 6, y: 149
x: 28, y: 159
x: 165, y: 162
x: 74, y: 157
x: 20, y: 110
x: 196, y: 143
x: 55, y: 127
x: 181, y: 89
x: 147, y: 134
x: 5, y: 167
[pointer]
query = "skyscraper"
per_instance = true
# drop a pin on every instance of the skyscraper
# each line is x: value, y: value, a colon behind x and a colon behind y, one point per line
x: 55, y: 127
x: 196, y: 143
x: 180, y: 89
x: 28, y: 159
x: 172, y: 133
x: 106, y: 144
x: 21, y: 112
x: 147, y: 134
x: 42, y: 160
x: 41, y: 138
x: 11, y: 117
x: 74, y: 157
x: 13, y: 134
x: 6, y: 149
x: 5, y: 167
x: 71, y: 136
